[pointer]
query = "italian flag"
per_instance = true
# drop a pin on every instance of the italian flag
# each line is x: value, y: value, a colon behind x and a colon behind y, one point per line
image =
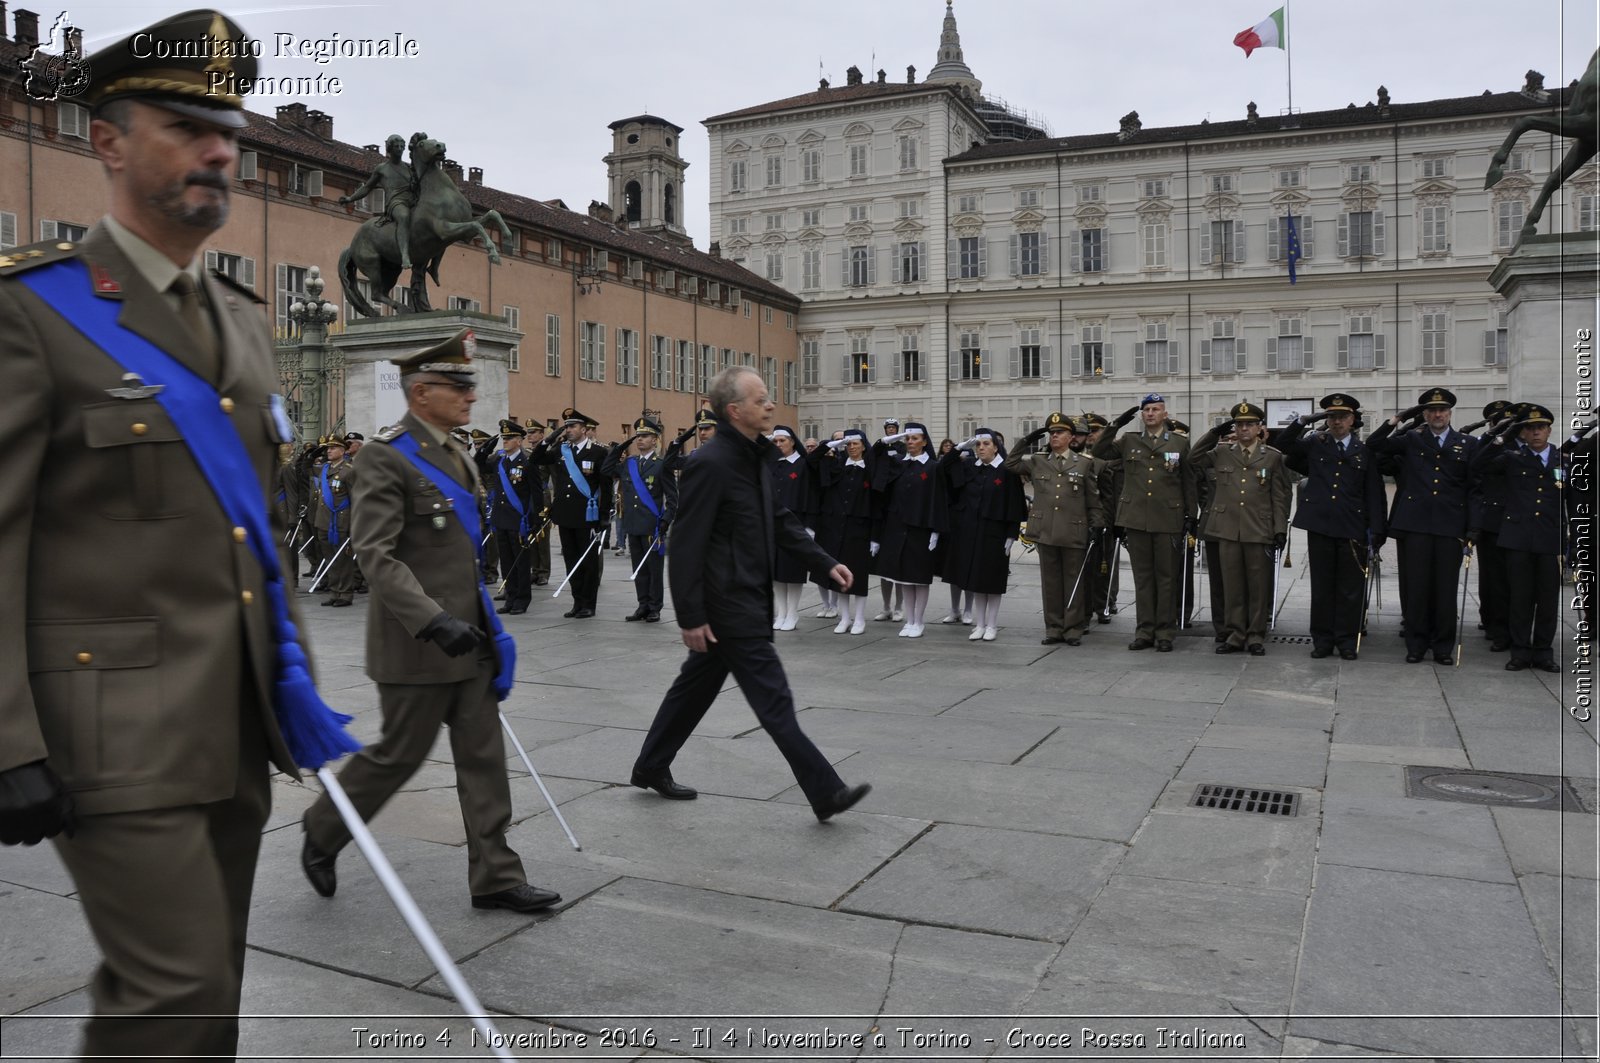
x: 1268, y: 33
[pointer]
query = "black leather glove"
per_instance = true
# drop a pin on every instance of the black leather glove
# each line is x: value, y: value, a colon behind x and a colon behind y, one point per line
x: 1415, y: 411
x: 1119, y: 533
x: 34, y: 805
x: 1125, y: 416
x: 454, y: 637
x: 1190, y: 525
x: 1474, y: 534
x: 1280, y: 541
x: 683, y: 437
x: 1031, y: 440
x: 1321, y: 415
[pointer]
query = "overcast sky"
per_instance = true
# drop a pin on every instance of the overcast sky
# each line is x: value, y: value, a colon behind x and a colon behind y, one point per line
x: 526, y: 89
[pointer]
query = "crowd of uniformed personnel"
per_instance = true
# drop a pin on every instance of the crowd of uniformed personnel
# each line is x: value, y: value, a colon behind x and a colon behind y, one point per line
x: 1079, y: 491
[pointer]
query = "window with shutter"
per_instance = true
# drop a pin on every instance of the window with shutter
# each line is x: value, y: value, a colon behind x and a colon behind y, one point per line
x: 247, y: 166
x: 1153, y: 236
x: 1435, y: 339
x: 552, y: 345
x: 8, y: 229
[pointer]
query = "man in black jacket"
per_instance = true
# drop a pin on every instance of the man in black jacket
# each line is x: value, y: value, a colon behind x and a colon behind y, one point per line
x: 721, y: 576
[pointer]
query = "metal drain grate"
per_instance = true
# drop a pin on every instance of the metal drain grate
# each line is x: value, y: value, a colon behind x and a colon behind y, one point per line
x: 1511, y: 789
x: 1293, y: 640
x: 1246, y: 799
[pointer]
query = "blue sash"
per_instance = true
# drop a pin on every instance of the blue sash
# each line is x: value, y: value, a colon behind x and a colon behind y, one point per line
x: 647, y: 500
x: 465, y: 504
x: 313, y: 732
x: 591, y: 512
x: 333, y: 510
x: 511, y: 495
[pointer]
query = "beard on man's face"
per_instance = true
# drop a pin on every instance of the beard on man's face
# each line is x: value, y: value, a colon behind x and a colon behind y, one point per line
x: 170, y: 201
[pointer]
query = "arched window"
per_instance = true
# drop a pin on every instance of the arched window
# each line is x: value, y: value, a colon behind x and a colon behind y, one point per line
x: 669, y: 205
x: 631, y: 200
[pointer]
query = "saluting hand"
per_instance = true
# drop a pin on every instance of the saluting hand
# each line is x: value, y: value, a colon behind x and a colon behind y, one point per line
x: 1125, y: 416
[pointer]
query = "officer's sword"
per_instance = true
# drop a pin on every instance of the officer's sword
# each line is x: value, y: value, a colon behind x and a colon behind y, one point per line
x: 1079, y: 581
x: 1461, y: 613
x: 1183, y: 584
x: 415, y: 920
x: 326, y: 565
x: 594, y: 538
x: 523, y: 753
x: 1371, y: 572
x: 645, y: 558
x: 1272, y: 622
x: 1113, y: 584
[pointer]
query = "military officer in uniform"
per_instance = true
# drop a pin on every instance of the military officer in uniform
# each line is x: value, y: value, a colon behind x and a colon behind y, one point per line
x: 426, y: 644
x: 539, y: 552
x: 1065, y: 512
x: 580, y: 503
x: 1249, y: 519
x: 332, y: 495
x: 1429, y: 522
x: 1488, y: 512
x: 137, y: 725
x: 648, y: 497
x: 1157, y: 508
x: 1342, y: 511
x: 514, y: 503
x: 704, y: 427
x: 1533, y: 479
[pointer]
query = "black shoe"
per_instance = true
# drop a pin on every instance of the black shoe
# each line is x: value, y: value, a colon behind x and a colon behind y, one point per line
x: 1051, y: 640
x: 582, y: 614
x: 1322, y: 651
x: 341, y: 602
x: 1499, y: 646
x: 1074, y: 642
x: 1102, y: 619
x: 318, y: 866
x: 1444, y: 658
x: 518, y: 611
x: 663, y: 784
x: 638, y: 614
x: 1515, y: 665
x: 1140, y: 644
x: 523, y: 898
x: 1228, y: 647
x: 842, y: 800
x: 570, y: 613
x: 540, y: 581
x: 504, y: 608
x: 1347, y: 655
x: 652, y: 618
x: 1257, y: 650
x: 499, y: 597
x: 1413, y: 658
x: 1163, y: 645
x: 329, y: 601
x: 1547, y: 666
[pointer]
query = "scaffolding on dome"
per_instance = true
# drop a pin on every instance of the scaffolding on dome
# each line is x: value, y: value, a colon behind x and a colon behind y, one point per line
x: 1006, y: 122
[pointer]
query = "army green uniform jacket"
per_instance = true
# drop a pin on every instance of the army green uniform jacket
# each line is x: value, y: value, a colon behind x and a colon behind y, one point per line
x: 1066, y: 496
x: 1158, y: 492
x: 1252, y: 490
x: 341, y: 478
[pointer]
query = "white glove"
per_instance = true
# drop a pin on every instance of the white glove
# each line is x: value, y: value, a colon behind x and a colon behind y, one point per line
x: 811, y: 532
x: 1009, y: 544
x: 933, y: 541
x: 874, y: 549
x: 835, y: 444
x: 967, y: 444
x: 895, y: 438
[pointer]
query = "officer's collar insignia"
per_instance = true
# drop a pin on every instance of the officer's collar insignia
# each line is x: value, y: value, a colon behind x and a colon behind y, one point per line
x: 134, y: 387
x: 104, y: 282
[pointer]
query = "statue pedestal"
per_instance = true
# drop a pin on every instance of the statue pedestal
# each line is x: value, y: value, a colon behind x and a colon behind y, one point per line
x: 1551, y: 284
x: 373, y: 399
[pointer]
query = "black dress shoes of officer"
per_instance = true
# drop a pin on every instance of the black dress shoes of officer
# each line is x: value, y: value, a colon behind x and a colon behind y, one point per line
x: 1547, y: 666
x: 570, y: 613
x: 1515, y: 665
x: 1444, y: 658
x: 518, y: 611
x: 638, y: 614
x: 652, y: 618
x: 1051, y: 640
x: 1228, y: 647
x: 1102, y: 619
x: 503, y: 608
x: 842, y: 800
x: 582, y: 614
x: 662, y: 784
x: 1074, y: 642
x: 319, y: 867
x: 1322, y: 651
x: 523, y: 898
x: 1163, y: 645
x: 1413, y: 658
x: 1257, y: 650
x: 1140, y: 644
x: 1348, y: 655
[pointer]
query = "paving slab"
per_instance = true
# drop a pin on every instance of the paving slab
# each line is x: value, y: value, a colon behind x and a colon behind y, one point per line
x: 56, y: 955
x: 1022, y: 796
x: 1265, y: 738
x: 1143, y: 745
x: 1176, y: 685
x: 1226, y: 848
x: 1254, y: 767
x: 1413, y: 834
x: 1427, y: 956
x: 956, y: 738
x: 903, y: 693
x: 1548, y: 842
x: 1119, y: 1015
x: 1007, y: 882
x: 38, y: 867
x: 1069, y: 701
x: 1563, y: 912
x: 1190, y: 939
x: 757, y: 848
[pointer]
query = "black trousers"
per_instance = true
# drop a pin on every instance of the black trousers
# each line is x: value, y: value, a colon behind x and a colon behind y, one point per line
x: 514, y: 567
x: 756, y: 668
x: 647, y: 584
x: 1534, y: 605
x: 1493, y: 590
x: 1430, y: 567
x: 585, y: 583
x: 1338, y: 590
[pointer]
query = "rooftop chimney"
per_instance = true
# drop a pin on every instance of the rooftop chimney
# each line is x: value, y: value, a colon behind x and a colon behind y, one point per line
x: 883, y: 78
x: 320, y: 124
x: 851, y: 76
x: 292, y: 115
x: 475, y: 175
x: 27, y: 29
x: 452, y: 168
x: 1130, y: 125
x: 715, y: 250
x: 911, y: 75
x: 600, y: 211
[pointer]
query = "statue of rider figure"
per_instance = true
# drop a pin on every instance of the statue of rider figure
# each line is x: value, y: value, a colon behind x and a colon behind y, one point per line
x: 399, y: 183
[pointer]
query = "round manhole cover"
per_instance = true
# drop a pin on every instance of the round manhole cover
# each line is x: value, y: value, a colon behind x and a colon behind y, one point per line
x: 1490, y: 788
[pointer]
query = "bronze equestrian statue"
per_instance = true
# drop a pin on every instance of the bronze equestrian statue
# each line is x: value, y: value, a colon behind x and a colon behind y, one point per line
x: 439, y: 217
x: 1580, y: 122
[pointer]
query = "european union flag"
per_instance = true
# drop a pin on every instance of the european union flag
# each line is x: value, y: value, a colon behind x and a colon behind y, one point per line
x: 1293, y: 245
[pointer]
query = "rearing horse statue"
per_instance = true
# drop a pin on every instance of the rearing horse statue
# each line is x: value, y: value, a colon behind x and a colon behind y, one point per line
x: 1580, y: 122
x: 441, y: 217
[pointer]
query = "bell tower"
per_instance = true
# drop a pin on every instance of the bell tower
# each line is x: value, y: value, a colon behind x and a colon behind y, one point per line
x: 644, y: 174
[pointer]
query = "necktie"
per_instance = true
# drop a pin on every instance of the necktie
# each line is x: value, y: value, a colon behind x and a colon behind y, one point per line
x: 193, y: 312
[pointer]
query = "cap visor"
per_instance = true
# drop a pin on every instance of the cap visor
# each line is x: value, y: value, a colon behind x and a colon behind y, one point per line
x: 225, y: 117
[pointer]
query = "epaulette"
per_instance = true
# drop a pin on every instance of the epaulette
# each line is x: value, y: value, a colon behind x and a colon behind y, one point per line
x: 218, y: 275
x: 390, y: 434
x: 40, y: 254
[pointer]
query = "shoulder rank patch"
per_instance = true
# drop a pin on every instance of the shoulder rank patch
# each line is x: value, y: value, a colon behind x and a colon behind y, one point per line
x: 223, y: 278
x: 390, y: 434
x: 40, y: 254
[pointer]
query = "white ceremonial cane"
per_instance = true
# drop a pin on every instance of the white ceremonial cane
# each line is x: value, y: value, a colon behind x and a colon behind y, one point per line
x: 326, y: 566
x: 415, y: 920
x: 523, y: 753
x: 594, y: 538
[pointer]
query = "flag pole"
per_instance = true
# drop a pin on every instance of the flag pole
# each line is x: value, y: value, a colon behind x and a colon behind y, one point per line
x: 1288, y: 56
